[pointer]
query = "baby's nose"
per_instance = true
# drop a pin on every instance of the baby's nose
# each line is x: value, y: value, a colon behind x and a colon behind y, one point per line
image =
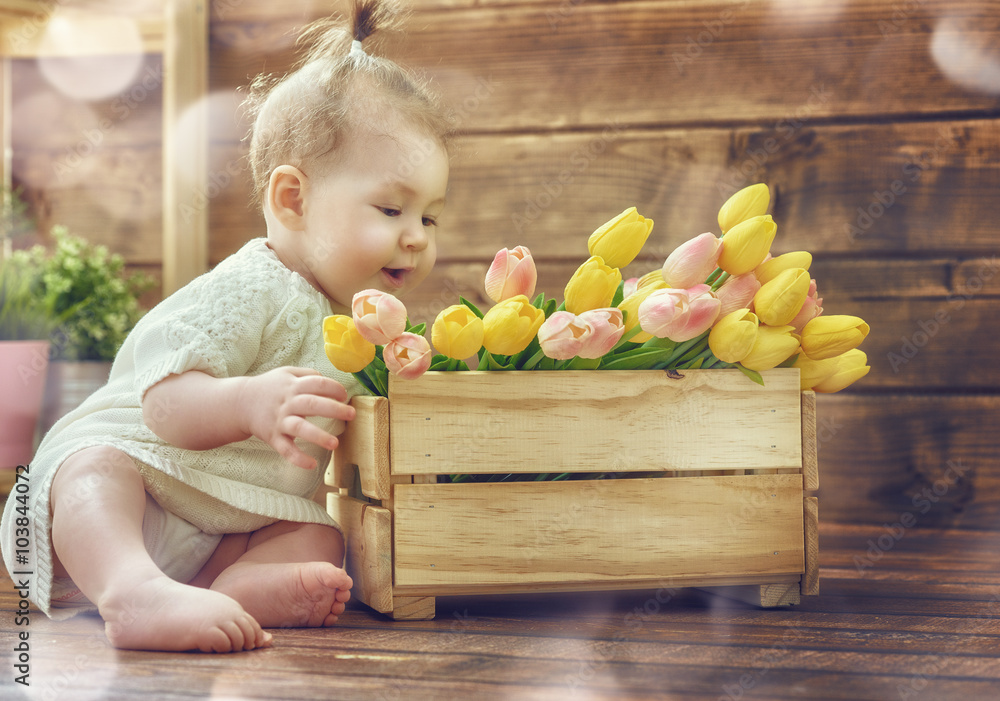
x: 415, y: 238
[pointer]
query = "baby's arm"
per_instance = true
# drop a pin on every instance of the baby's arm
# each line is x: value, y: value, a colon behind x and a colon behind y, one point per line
x: 196, y: 411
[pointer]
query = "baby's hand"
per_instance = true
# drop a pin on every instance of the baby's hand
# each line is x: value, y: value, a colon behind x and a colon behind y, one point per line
x: 275, y: 406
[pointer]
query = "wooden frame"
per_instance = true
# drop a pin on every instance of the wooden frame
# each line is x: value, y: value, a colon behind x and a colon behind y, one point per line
x: 181, y: 35
x: 720, y: 473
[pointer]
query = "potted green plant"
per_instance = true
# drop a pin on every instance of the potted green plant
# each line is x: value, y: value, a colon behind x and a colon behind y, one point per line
x: 97, y: 301
x: 26, y: 324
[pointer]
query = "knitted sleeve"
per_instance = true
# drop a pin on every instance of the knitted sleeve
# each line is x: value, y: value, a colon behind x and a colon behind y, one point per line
x: 214, y: 325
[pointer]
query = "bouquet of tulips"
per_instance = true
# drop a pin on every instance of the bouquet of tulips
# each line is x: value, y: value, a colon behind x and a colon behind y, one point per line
x: 717, y: 302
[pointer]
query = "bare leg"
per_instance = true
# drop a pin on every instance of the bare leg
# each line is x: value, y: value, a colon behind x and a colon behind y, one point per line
x: 285, y: 577
x: 98, y: 501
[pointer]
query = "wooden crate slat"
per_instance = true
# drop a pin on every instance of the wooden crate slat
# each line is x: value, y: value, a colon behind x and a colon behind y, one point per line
x: 522, y: 422
x: 365, y: 445
x: 368, y: 534
x: 810, y: 462
x: 455, y: 537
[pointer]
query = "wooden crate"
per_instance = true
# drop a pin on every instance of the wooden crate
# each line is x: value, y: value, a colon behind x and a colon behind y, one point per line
x: 713, y: 475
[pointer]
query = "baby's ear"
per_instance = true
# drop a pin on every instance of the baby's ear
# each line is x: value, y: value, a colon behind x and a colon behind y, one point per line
x: 286, y: 196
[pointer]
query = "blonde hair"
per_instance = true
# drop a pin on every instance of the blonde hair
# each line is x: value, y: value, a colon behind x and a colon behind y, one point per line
x: 303, y: 118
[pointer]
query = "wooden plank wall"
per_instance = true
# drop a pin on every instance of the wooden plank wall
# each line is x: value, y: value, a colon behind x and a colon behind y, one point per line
x: 876, y: 124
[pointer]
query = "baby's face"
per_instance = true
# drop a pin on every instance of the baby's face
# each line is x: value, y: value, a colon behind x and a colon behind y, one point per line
x: 369, y: 223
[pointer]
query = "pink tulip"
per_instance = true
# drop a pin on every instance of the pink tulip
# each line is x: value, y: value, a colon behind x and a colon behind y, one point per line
x: 693, y: 261
x: 563, y: 335
x: 630, y: 286
x: 663, y: 311
x: 512, y: 273
x: 811, y: 308
x: 679, y: 315
x: 737, y: 293
x: 703, y: 310
x: 378, y: 316
x: 608, y: 325
x: 407, y: 356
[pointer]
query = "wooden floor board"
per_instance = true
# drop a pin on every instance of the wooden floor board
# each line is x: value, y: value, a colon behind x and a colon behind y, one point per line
x: 921, y: 622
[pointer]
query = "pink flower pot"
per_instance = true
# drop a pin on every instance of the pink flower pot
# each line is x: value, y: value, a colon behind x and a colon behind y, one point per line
x: 23, y: 367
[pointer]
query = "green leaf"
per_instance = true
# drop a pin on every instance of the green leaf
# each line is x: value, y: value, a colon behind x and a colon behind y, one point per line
x: 752, y: 374
x: 440, y: 362
x: 550, y: 308
x: 420, y: 329
x: 579, y: 363
x: 619, y: 294
x: 789, y: 362
x: 637, y: 359
x: 539, y: 301
x: 493, y: 362
x: 363, y: 378
x: 519, y: 359
x: 470, y: 305
x: 533, y: 361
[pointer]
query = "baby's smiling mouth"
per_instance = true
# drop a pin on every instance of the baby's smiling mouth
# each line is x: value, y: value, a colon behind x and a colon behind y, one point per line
x: 395, y: 275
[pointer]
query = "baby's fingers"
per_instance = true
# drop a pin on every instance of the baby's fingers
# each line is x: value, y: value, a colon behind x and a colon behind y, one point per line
x: 289, y: 451
x: 298, y: 427
x: 314, y: 405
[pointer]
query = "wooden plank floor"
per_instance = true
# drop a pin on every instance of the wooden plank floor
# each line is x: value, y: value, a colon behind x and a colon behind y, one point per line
x: 911, y: 617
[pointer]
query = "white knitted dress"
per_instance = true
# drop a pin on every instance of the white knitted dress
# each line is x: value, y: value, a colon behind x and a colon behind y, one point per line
x: 247, y: 316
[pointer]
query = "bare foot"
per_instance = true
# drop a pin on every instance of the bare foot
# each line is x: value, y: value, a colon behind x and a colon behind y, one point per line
x: 279, y: 595
x: 162, y: 614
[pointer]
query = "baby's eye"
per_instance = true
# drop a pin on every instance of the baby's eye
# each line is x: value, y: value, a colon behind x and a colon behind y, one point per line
x: 390, y: 211
x: 430, y: 221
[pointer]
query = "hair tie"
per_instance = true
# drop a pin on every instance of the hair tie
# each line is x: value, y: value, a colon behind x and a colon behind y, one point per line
x: 356, y: 48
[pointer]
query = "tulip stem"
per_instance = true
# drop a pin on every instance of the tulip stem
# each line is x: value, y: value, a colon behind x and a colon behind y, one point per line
x: 718, y: 283
x: 533, y: 361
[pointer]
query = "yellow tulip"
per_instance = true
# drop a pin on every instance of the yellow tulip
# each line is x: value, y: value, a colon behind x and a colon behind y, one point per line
x: 651, y: 278
x: 510, y: 326
x: 630, y: 306
x: 457, y: 332
x: 812, y: 372
x: 344, y: 345
x: 749, y: 202
x: 827, y: 336
x: 769, y: 269
x: 773, y: 346
x: 592, y: 286
x: 619, y: 241
x: 778, y: 301
x: 746, y: 245
x: 733, y: 336
x: 851, y: 367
